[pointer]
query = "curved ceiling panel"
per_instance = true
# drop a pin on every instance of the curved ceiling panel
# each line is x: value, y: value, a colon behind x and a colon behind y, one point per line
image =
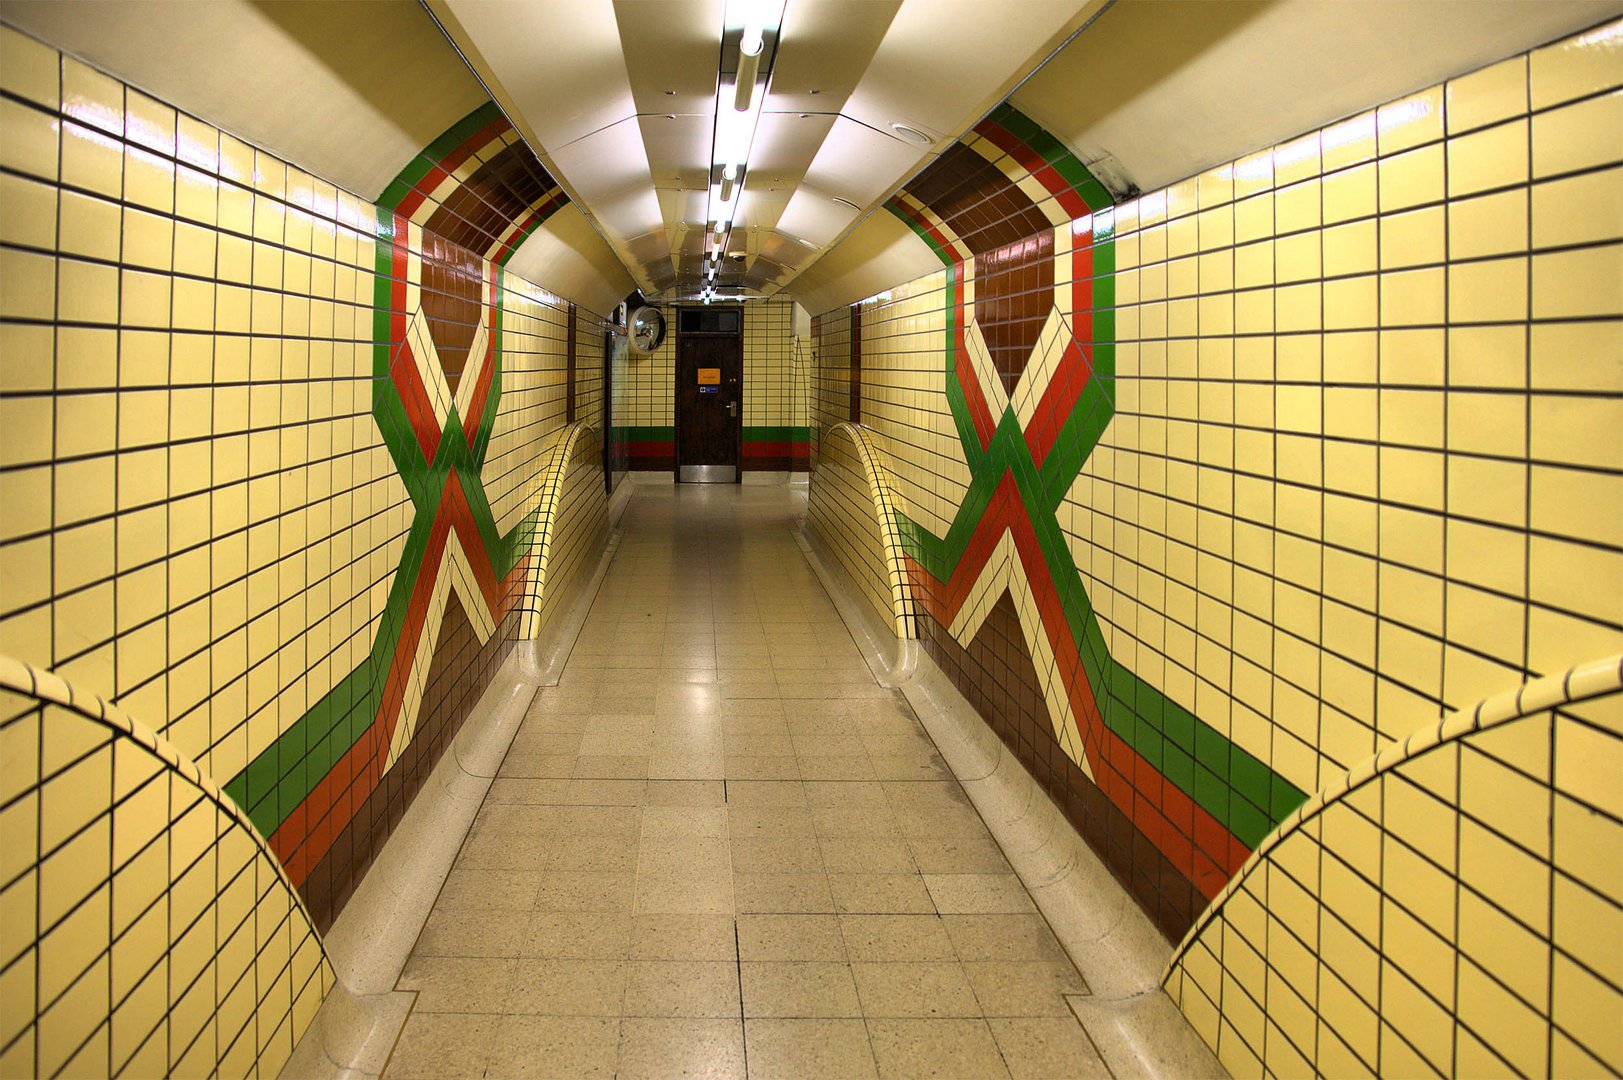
x: 1154, y: 92
x: 566, y: 253
x: 349, y: 91
x: 879, y: 253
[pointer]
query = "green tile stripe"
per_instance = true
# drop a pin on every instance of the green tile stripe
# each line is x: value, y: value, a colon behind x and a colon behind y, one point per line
x: 910, y: 218
x: 1051, y: 150
x: 770, y: 433
x: 634, y: 433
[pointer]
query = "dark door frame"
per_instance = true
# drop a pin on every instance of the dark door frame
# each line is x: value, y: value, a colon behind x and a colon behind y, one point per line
x: 738, y: 420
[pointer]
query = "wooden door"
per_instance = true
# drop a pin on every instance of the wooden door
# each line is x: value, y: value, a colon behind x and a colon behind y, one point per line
x: 709, y: 407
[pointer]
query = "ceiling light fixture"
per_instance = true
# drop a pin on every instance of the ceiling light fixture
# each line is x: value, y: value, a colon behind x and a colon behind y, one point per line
x: 846, y: 202
x: 735, y: 127
x: 911, y: 133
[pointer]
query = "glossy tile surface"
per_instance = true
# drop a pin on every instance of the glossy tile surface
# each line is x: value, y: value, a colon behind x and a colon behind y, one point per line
x: 719, y: 848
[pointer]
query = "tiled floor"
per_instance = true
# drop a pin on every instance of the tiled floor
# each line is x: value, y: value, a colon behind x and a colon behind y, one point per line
x: 719, y: 849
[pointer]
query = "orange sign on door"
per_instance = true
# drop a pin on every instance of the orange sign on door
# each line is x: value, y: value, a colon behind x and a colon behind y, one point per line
x: 709, y: 376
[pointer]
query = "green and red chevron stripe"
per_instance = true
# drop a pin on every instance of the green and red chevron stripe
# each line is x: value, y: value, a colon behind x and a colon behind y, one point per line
x: 477, y: 185
x: 304, y: 789
x: 1201, y: 800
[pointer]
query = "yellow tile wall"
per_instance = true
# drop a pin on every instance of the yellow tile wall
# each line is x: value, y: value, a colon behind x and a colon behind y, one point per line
x: 1455, y: 913
x: 144, y: 928
x: 1364, y: 466
x: 202, y: 520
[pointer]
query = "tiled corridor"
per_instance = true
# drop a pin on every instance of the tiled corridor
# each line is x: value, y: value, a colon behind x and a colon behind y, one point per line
x: 718, y: 848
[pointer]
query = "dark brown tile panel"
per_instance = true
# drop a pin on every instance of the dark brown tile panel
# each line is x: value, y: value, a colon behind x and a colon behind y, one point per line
x: 457, y: 676
x: 1014, y: 293
x: 996, y: 675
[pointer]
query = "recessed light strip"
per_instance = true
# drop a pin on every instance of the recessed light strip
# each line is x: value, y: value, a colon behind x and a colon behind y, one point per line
x: 734, y: 134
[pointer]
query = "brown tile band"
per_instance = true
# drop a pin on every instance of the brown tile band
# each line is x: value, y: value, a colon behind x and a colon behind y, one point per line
x: 458, y: 674
x: 996, y: 675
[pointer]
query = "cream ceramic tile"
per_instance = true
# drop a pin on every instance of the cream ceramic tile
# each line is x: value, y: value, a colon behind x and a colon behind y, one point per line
x: 1410, y: 122
x: 1494, y: 93
x: 32, y: 140
x: 1580, y: 209
x: 1583, y: 64
x: 1577, y: 136
x: 1411, y: 178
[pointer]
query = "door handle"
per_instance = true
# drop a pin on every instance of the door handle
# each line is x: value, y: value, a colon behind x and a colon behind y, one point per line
x: 732, y: 408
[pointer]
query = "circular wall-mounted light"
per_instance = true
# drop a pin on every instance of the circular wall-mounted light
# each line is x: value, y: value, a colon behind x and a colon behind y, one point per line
x: 911, y: 134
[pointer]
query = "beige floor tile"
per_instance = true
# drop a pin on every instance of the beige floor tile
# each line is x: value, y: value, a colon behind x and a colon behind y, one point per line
x: 554, y: 987
x: 909, y: 766
x: 444, y: 1045
x: 459, y: 984
x: 691, y: 767
x: 896, y: 938
x: 978, y: 894
x: 753, y: 855
x: 790, y: 937
x: 778, y: 793
x: 665, y: 894
x: 956, y: 1049
x: 697, y: 988
x: 471, y: 933
x: 662, y: 1049
x: 683, y: 937
x: 959, y: 855
x: 675, y: 856
x: 1040, y: 1048
x: 801, y: 817
x: 601, y: 819
x: 605, y: 893
x: 576, y: 935
x: 810, y: 989
x: 1024, y: 987
x: 914, y: 989
x: 529, y: 1046
x: 486, y: 890
x: 854, y: 820
x: 592, y: 854
x: 880, y: 894
x: 1002, y: 937
x: 782, y: 893
x: 857, y: 855
x: 684, y: 821
x: 759, y: 746
x: 760, y: 767
x: 855, y: 768
x: 797, y: 1049
x: 611, y: 767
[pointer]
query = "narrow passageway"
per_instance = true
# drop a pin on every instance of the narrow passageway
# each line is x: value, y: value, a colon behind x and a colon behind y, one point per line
x: 719, y: 848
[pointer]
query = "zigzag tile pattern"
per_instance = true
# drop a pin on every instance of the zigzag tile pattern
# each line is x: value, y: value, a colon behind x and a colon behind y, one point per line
x: 1025, y: 427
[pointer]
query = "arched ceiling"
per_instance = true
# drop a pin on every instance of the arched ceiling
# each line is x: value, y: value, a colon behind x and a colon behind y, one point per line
x: 624, y: 112
x: 1158, y: 90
